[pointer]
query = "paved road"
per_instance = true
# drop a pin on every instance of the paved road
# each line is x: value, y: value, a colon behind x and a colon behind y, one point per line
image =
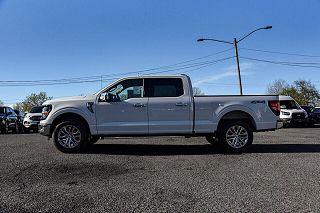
x: 280, y: 173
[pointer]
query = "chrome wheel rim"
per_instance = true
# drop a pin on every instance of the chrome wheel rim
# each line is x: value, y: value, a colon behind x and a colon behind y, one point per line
x: 69, y: 136
x: 237, y: 136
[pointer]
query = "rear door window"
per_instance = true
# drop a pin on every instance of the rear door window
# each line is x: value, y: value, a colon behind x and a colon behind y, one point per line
x: 163, y: 87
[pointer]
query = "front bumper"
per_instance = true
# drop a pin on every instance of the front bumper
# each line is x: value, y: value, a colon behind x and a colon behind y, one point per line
x: 294, y: 121
x: 45, y: 130
x: 31, y: 124
x: 279, y: 124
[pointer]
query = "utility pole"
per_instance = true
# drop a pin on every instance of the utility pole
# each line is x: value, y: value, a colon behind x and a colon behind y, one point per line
x: 235, y: 44
x: 238, y: 64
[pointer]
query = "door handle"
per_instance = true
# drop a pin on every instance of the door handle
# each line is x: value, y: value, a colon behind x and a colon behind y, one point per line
x: 181, y: 104
x: 139, y: 105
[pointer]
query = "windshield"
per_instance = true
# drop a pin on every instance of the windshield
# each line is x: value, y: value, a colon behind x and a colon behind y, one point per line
x: 2, y: 110
x: 37, y: 109
x: 316, y: 110
x: 289, y: 104
x: 307, y: 108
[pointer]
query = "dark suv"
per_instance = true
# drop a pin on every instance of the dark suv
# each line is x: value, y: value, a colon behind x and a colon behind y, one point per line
x: 313, y: 114
x: 8, y: 120
x: 20, y: 117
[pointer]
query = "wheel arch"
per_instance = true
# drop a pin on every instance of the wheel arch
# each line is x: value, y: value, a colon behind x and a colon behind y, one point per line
x: 237, y: 115
x: 69, y: 115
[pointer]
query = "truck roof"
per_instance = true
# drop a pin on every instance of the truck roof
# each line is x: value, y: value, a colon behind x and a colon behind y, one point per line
x: 284, y: 98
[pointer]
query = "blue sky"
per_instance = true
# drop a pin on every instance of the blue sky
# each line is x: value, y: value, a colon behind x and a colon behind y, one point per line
x: 70, y: 39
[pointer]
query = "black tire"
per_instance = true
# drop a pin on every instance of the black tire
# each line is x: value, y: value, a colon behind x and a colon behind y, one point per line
x: 21, y: 129
x: 16, y: 129
x: 6, y: 129
x: 211, y: 139
x: 242, y: 139
x: 93, y: 140
x: 82, y: 139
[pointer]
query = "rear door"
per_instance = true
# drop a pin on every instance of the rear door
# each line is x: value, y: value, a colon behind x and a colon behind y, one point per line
x: 168, y: 106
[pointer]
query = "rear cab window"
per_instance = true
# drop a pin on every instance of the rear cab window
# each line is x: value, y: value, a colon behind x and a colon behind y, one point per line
x: 163, y: 87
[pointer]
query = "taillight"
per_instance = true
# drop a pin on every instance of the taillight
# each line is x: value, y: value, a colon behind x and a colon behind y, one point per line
x: 275, y: 107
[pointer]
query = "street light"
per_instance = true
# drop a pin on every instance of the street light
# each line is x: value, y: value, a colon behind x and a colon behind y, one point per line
x: 235, y: 44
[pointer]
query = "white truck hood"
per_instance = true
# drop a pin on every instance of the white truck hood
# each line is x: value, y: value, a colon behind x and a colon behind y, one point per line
x: 87, y: 98
x: 293, y: 110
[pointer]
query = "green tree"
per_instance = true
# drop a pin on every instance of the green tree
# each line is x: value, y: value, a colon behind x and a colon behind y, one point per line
x: 33, y: 100
x: 304, y: 92
x: 1, y: 102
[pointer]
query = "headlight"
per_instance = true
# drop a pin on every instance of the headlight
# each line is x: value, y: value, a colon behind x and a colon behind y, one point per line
x: 46, y: 111
x: 285, y: 113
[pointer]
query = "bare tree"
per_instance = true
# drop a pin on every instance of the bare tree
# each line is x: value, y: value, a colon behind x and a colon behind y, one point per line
x: 197, y: 91
x: 277, y: 87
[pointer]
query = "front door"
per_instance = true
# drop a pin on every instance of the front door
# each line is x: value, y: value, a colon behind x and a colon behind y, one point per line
x: 122, y: 109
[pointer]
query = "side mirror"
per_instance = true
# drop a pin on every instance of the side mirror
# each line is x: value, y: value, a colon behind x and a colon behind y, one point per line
x: 107, y: 97
x: 9, y: 113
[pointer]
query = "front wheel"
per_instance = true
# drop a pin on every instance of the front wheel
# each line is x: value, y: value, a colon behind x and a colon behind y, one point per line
x: 236, y: 136
x: 70, y: 136
x: 6, y: 129
x: 93, y: 140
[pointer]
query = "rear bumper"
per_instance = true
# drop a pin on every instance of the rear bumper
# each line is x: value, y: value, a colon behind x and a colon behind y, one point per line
x: 45, y: 130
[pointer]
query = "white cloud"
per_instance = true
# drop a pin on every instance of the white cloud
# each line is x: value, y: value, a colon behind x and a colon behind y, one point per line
x: 227, y: 72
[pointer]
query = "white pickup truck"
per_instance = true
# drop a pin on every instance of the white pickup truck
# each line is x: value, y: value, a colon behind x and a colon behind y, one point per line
x: 157, y: 106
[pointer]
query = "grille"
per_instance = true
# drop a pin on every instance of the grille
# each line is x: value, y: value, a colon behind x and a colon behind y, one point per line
x: 35, y: 118
x: 298, y: 115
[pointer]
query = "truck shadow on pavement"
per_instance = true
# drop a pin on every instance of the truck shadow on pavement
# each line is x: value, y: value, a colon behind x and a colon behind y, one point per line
x: 167, y: 150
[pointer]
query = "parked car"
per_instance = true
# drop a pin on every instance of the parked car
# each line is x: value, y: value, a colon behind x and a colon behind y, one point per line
x: 313, y: 114
x: 291, y: 113
x: 8, y: 120
x: 32, y: 119
x: 20, y: 117
x: 158, y: 105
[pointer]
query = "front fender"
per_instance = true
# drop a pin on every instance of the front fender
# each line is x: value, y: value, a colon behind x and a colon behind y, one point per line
x: 88, y: 116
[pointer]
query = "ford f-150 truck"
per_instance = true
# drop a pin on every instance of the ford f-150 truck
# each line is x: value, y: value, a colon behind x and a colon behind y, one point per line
x: 157, y: 106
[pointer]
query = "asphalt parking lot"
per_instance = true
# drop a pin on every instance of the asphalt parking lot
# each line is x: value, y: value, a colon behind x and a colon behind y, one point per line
x: 280, y: 173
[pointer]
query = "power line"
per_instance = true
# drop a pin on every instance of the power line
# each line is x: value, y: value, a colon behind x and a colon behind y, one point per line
x: 198, y: 65
x: 293, y: 64
x: 98, y: 77
x: 281, y: 53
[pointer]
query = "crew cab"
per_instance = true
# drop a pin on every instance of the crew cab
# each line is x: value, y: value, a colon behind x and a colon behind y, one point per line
x: 157, y: 106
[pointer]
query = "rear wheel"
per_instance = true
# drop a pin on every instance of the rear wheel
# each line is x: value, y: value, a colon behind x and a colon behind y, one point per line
x: 211, y: 139
x: 236, y: 136
x: 70, y: 136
